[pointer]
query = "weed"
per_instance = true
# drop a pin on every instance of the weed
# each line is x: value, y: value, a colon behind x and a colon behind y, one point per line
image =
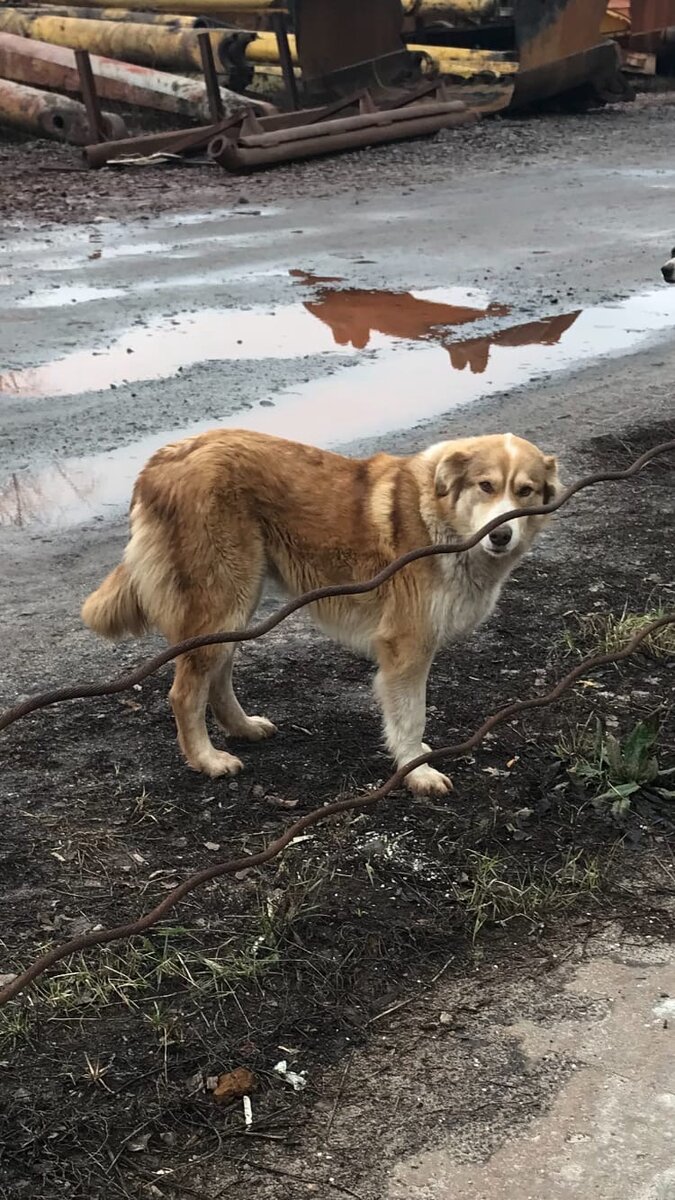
x: 614, y: 768
x: 606, y: 633
x: 499, y: 890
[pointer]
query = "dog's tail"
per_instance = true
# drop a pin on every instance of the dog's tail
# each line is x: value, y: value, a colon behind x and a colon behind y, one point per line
x: 114, y: 609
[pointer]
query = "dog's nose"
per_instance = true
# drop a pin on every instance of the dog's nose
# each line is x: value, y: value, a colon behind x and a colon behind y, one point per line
x: 501, y: 536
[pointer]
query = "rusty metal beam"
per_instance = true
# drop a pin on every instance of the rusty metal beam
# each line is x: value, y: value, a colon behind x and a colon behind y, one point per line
x: 210, y: 76
x: 89, y: 96
x: 286, y: 59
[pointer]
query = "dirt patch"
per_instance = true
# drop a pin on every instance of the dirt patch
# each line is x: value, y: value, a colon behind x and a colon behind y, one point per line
x: 100, y: 1065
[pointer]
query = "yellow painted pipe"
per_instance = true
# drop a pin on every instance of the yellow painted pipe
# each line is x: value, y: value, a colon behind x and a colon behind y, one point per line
x: 470, y: 9
x: 148, y: 45
x: 264, y: 49
x: 113, y: 14
x: 465, y: 64
x: 448, y: 60
x: 197, y: 8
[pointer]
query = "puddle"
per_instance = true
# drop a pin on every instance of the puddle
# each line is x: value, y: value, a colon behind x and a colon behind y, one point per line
x: 349, y: 319
x: 59, y: 296
x: 419, y: 370
x: 63, y: 295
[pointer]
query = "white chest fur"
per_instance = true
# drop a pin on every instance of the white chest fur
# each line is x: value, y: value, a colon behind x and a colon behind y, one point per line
x: 465, y: 596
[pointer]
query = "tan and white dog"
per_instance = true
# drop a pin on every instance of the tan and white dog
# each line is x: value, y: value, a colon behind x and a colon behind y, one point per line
x: 214, y: 515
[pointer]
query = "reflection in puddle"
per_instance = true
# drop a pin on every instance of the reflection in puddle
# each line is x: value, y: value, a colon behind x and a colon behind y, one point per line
x: 163, y: 346
x: 404, y: 383
x: 474, y: 353
x: 59, y: 495
x: 353, y: 316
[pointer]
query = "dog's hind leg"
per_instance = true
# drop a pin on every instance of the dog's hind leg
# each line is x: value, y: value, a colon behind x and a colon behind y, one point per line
x: 205, y: 675
x: 189, y: 696
x: 227, y: 709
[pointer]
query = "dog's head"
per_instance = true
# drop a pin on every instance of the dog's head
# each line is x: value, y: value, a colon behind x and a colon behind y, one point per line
x: 479, y: 478
x: 668, y: 269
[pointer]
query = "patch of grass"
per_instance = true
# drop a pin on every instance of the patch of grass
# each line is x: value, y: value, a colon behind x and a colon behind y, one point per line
x: 606, y: 633
x: 499, y: 890
x: 174, y: 960
x: 615, y: 768
x: 140, y: 975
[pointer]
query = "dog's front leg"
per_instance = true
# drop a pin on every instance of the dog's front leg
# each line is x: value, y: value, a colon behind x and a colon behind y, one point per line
x: 401, y: 688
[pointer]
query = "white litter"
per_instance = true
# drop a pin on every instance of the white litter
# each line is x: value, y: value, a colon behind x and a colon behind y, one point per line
x: 297, y: 1080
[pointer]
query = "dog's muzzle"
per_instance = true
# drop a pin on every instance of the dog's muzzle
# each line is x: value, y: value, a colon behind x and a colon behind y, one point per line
x: 499, y: 541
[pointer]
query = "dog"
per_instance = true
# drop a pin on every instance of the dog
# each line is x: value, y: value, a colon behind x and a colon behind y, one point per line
x: 668, y: 269
x: 214, y: 515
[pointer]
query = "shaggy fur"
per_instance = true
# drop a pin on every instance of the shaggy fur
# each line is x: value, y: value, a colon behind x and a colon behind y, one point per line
x: 214, y: 515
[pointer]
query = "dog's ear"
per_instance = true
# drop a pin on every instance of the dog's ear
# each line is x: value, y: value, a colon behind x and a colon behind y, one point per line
x: 450, y: 473
x: 552, y: 482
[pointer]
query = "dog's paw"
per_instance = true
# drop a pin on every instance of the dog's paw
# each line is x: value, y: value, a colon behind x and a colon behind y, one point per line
x: 427, y: 781
x: 218, y: 762
x: 255, y: 729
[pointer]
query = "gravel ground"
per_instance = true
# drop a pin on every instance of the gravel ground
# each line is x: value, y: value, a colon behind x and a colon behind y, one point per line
x: 44, y: 181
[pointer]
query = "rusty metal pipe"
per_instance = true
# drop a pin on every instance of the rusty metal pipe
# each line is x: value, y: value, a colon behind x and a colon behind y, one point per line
x: 43, y: 65
x: 322, y: 129
x: 176, y: 142
x: 172, y: 20
x: 148, y: 45
x: 239, y: 159
x: 47, y: 115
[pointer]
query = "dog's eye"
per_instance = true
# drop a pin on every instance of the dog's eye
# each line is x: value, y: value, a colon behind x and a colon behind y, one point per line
x: 523, y: 492
x: 486, y: 486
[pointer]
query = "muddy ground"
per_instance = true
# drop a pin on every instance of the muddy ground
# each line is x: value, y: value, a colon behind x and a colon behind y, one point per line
x: 440, y: 971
